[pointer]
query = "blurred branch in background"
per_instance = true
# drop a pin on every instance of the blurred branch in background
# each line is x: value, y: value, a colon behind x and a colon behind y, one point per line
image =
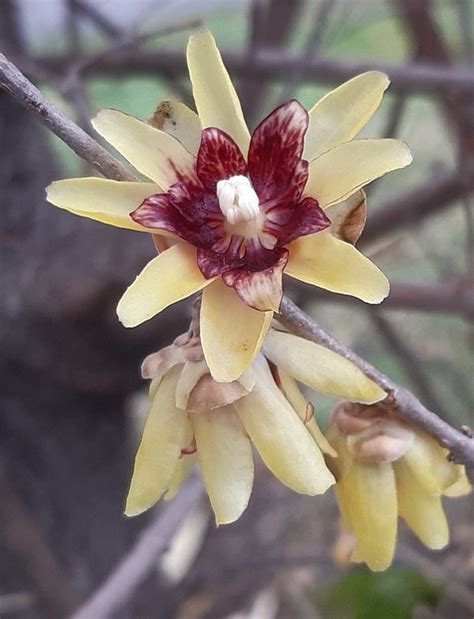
x: 271, y: 64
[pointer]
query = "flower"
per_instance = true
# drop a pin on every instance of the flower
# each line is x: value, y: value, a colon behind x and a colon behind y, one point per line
x: 239, y: 209
x: 193, y: 417
x: 387, y: 468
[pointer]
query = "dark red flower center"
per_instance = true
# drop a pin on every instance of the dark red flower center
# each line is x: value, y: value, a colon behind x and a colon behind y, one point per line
x: 240, y: 215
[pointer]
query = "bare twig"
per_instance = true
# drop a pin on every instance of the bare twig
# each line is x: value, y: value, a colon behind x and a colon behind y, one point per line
x: 120, y: 585
x: 454, y: 297
x: 75, y: 89
x: 460, y: 446
x: 16, y: 84
x: 97, y: 18
x: 413, y: 367
x: 322, y: 13
x: 428, y: 198
x: 273, y: 63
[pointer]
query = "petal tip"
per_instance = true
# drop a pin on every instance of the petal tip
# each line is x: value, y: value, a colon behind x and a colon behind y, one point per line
x: 201, y: 37
x: 381, y: 294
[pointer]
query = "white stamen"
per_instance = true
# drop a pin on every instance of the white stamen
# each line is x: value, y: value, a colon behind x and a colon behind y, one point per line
x: 237, y: 199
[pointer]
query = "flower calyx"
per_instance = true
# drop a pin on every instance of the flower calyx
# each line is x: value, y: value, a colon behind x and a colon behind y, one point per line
x: 372, y: 434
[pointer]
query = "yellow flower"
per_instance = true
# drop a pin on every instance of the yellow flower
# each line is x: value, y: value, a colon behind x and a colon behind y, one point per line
x: 240, y: 209
x: 386, y: 468
x: 192, y: 417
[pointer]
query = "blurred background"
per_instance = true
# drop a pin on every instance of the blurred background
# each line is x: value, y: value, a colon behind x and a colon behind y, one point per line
x: 70, y: 392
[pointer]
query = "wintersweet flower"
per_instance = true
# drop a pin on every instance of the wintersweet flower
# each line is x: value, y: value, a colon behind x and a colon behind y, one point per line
x: 387, y: 468
x: 194, y: 418
x: 240, y: 209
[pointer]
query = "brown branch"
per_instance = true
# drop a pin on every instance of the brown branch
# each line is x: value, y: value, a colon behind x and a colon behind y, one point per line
x: 16, y: 84
x: 97, y: 18
x: 272, y: 64
x: 430, y: 197
x: 413, y: 368
x: 127, y: 576
x: 460, y: 446
x: 455, y: 296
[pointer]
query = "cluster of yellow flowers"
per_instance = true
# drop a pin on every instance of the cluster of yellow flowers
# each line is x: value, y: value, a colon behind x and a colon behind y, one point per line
x: 230, y: 213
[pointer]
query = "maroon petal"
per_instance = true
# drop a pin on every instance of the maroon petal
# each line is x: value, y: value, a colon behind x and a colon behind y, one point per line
x: 275, y: 166
x: 212, y: 262
x: 305, y: 218
x: 158, y: 212
x: 218, y: 158
x: 262, y: 290
x: 195, y: 203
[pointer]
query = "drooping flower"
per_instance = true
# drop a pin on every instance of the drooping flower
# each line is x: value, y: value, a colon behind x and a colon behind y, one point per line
x: 240, y: 209
x: 194, y: 418
x: 387, y: 468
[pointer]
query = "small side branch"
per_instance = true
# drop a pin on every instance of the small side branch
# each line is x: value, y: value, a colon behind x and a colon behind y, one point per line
x: 16, y: 84
x: 460, y: 446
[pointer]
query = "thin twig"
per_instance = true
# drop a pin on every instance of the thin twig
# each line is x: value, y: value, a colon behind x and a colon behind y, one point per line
x: 460, y: 446
x: 313, y: 42
x: 16, y: 84
x: 408, y: 361
x: 453, y: 297
x: 127, y: 576
x: 429, y: 197
x: 98, y: 19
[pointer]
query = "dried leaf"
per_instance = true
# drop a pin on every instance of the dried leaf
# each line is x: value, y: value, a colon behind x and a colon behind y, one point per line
x: 348, y: 218
x: 208, y: 394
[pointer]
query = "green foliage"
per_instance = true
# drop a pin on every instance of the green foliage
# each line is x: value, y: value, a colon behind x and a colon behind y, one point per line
x: 393, y: 594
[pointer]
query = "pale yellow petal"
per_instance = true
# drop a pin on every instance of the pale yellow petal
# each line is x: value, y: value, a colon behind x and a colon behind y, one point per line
x: 305, y: 411
x: 190, y: 374
x: 422, y: 512
x: 370, y: 498
x: 170, y: 277
x: 216, y: 101
x: 231, y: 332
x: 182, y: 470
x: 107, y: 201
x: 343, y: 112
x: 159, y: 449
x: 225, y: 456
x: 337, y: 174
x: 344, y: 461
x: 429, y: 464
x: 281, y: 438
x: 151, y: 151
x: 461, y: 486
x: 320, y: 368
x: 183, y: 466
x: 324, y: 261
x: 176, y: 119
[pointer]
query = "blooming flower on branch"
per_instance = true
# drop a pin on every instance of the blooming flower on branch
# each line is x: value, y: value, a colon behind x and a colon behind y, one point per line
x: 386, y: 468
x: 193, y: 417
x: 240, y: 209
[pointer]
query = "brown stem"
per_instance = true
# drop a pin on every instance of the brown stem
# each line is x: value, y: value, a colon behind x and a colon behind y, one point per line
x: 461, y: 447
x: 16, y: 84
